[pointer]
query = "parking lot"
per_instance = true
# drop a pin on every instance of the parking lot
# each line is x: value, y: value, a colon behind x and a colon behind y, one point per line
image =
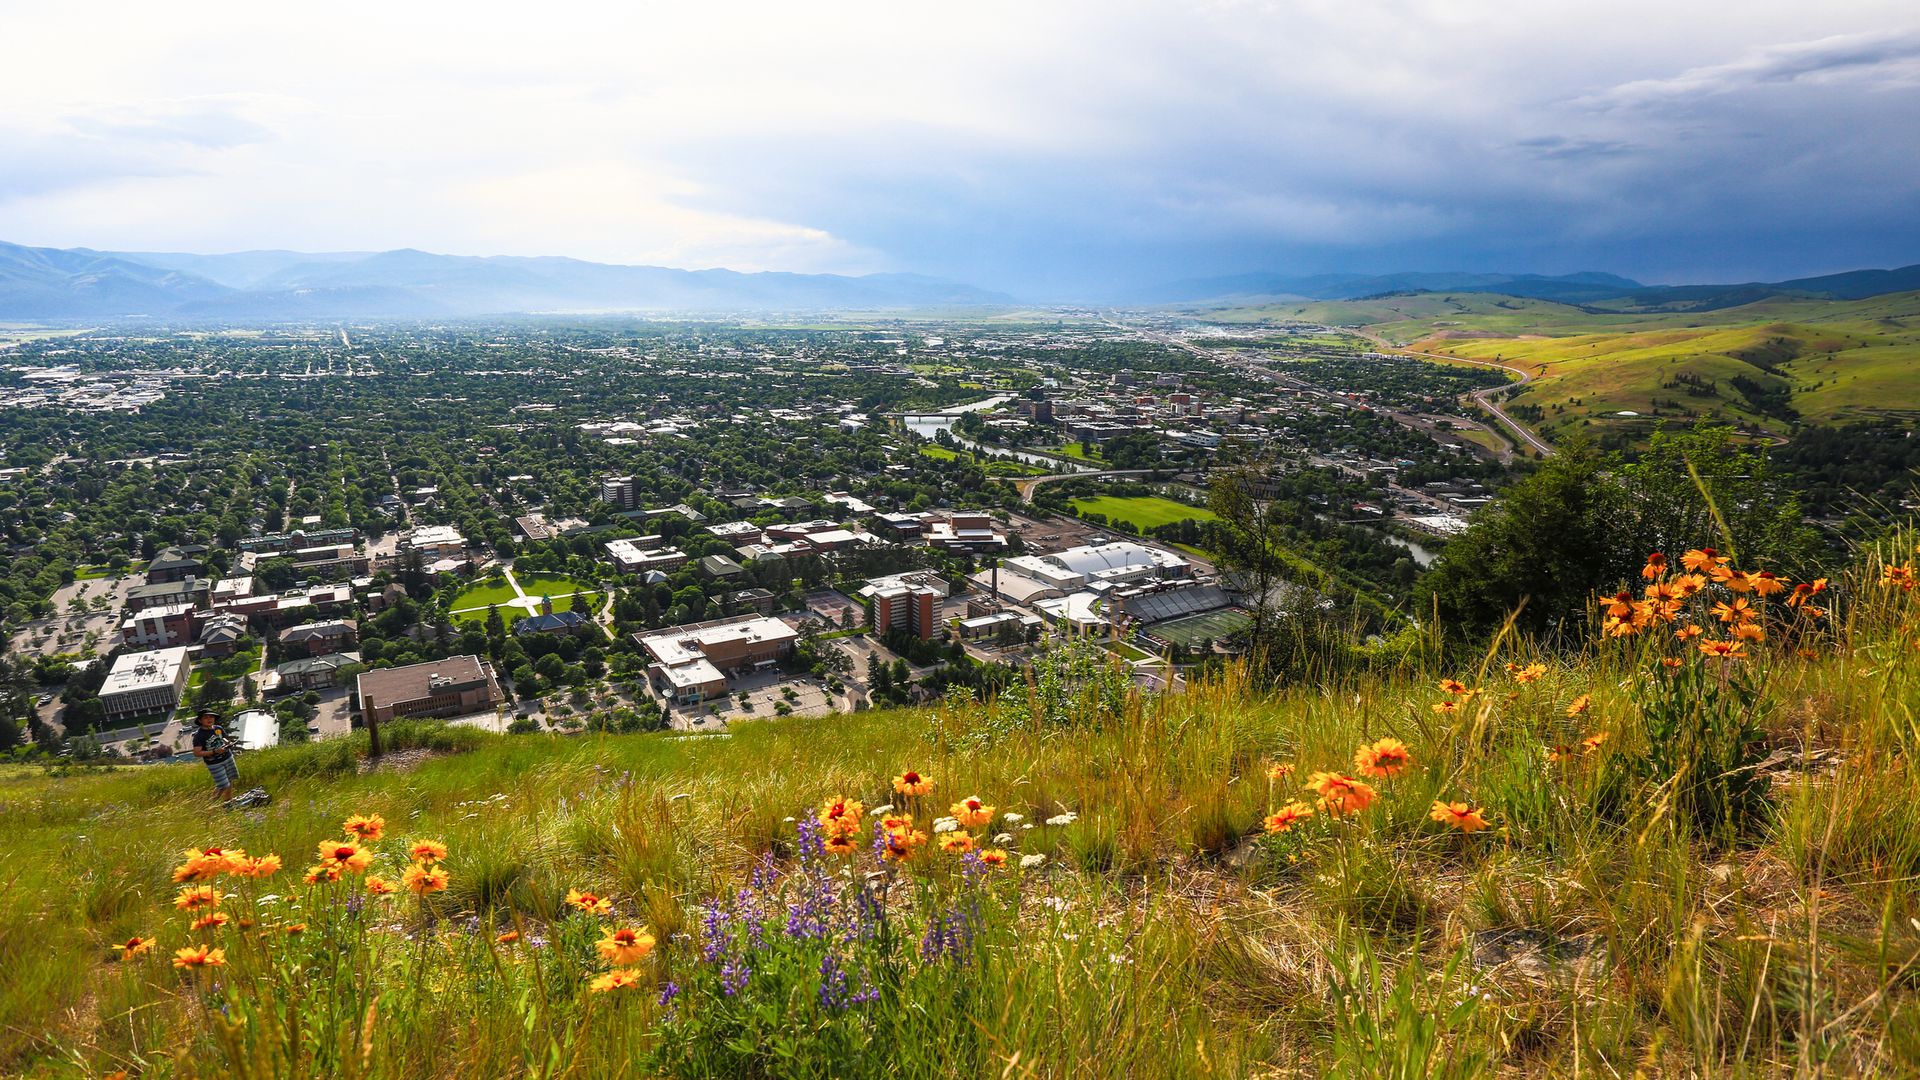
x: 91, y: 632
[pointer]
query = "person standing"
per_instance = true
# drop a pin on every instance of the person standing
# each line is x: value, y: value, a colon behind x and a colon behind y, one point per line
x: 211, y: 746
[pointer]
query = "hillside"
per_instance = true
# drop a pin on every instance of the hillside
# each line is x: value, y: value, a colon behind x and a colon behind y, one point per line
x: 1172, y: 902
x: 1769, y: 365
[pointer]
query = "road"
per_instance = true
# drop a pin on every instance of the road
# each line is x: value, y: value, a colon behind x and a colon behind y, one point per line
x: 1025, y: 485
x: 1485, y: 398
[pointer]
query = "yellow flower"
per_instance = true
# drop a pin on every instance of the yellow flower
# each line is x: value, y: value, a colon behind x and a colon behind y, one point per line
x: 205, y: 864
x: 212, y: 919
x: 263, y: 866
x: 617, y: 979
x: 590, y: 902
x: 1458, y: 815
x: 365, y: 827
x: 427, y: 851
x: 971, y: 812
x: 842, y: 844
x: 1288, y: 816
x: 194, y: 897
x: 1279, y: 770
x: 841, y: 816
x: 507, y: 938
x: 993, y: 856
x: 345, y: 855
x: 1579, y: 705
x: 1452, y: 686
x: 199, y: 956
x: 1386, y: 757
x: 1341, y: 795
x: 955, y: 843
x: 134, y: 946
x: 422, y: 878
x: 912, y: 783
x: 379, y: 886
x: 626, y: 947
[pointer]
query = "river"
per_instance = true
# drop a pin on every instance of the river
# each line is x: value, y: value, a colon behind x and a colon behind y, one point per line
x: 929, y: 427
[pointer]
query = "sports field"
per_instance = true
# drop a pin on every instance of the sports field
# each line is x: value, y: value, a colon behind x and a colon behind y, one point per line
x: 1142, y: 511
x: 1212, y: 625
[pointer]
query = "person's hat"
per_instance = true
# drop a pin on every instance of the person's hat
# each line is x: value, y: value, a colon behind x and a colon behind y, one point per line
x: 205, y: 712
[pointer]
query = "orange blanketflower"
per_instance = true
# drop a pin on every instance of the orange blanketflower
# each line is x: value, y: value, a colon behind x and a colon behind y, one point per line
x: 205, y: 864
x: 317, y: 874
x: 1739, y: 611
x: 345, y: 855
x: 894, y: 823
x: 427, y: 851
x: 1524, y: 675
x: 617, y: 979
x: 1288, y: 816
x: 134, y: 946
x: 366, y: 827
x: 590, y: 902
x: 842, y: 844
x: 1452, y: 686
x: 1341, y: 795
x: 625, y: 946
x: 1559, y: 753
x: 993, y: 856
x: 212, y: 919
x: 840, y: 815
x: 195, y: 897
x: 1386, y: 757
x: 1656, y: 565
x: 1749, y: 632
x: 258, y: 867
x: 1767, y: 583
x: 1279, y: 770
x: 912, y: 783
x: 1702, y: 558
x: 1592, y: 742
x: 956, y: 843
x: 1724, y: 650
x: 199, y: 956
x: 1458, y: 815
x: 1735, y: 580
x: 1898, y: 576
x: 507, y: 938
x: 379, y: 886
x: 1670, y: 662
x: 1444, y: 707
x: 423, y: 878
x: 295, y: 928
x: 1579, y: 705
x: 1689, y: 584
x: 901, y: 844
x: 1689, y: 632
x: 1620, y: 605
x: 970, y: 812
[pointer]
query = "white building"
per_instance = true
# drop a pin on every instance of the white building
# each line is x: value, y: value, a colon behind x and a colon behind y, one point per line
x: 145, y: 683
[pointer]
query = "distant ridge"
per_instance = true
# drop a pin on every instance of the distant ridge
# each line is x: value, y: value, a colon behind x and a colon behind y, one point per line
x: 1608, y: 291
x: 53, y: 283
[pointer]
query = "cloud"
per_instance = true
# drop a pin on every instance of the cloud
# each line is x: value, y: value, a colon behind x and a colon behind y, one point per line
x: 1884, y: 59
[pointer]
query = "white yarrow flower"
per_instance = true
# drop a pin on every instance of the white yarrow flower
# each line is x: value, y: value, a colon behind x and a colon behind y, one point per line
x: 1028, y: 862
x: 1012, y: 818
x: 945, y: 824
x: 1003, y: 838
x: 1067, y: 818
x: 878, y: 810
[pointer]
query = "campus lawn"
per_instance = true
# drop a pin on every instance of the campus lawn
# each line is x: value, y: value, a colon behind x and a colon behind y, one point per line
x: 1143, y: 512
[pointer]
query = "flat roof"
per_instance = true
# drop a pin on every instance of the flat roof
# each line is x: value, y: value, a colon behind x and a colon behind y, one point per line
x: 687, y: 644
x: 144, y: 670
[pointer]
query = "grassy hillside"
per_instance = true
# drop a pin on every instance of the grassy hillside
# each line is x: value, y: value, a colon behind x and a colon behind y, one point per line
x: 1766, y: 365
x: 1149, y: 919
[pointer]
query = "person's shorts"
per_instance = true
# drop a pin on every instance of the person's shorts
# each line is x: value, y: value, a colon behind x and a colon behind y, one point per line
x: 224, y: 772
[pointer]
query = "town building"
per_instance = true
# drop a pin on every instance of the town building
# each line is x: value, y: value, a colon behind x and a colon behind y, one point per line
x: 621, y: 492
x: 959, y: 531
x: 631, y: 557
x: 221, y: 634
x: 435, y: 542
x: 455, y: 686
x: 145, y: 683
x: 194, y: 592
x: 690, y: 662
x: 549, y: 621
x: 307, y: 673
x: 319, y: 638
x: 159, y: 626
x: 904, y: 608
x: 177, y: 564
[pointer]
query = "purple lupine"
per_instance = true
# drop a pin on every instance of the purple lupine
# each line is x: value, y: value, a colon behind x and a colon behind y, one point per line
x: 833, y: 984
x: 713, y: 934
x: 669, y: 992
x: 733, y: 978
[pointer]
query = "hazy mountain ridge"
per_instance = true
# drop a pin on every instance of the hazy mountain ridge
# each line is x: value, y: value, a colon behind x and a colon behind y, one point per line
x: 52, y: 283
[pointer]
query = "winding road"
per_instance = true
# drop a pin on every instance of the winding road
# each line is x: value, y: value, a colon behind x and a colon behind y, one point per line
x: 1485, y: 398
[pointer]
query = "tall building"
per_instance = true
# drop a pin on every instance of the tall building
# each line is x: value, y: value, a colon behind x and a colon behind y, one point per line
x: 904, y: 608
x: 620, y: 491
x: 145, y: 683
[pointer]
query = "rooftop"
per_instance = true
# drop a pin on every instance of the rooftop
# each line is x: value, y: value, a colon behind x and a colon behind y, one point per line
x: 144, y: 670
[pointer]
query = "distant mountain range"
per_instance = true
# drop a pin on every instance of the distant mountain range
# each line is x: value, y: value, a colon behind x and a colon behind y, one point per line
x: 53, y: 283
x: 1603, y: 291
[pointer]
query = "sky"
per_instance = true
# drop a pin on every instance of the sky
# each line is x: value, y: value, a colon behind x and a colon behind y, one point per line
x: 1050, y: 149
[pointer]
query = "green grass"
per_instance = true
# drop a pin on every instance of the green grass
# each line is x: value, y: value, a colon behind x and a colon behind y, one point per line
x: 1210, y: 625
x: 471, y: 605
x: 91, y: 573
x: 1143, y: 512
x: 1587, y: 931
x: 1076, y: 451
x: 939, y: 453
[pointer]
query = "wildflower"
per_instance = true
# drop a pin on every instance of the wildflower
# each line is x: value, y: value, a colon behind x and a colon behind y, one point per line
x: 1033, y: 861
x: 365, y: 827
x: 1458, y: 815
x: 1011, y: 818
x: 1288, y: 816
x: 971, y: 812
x: 1341, y: 795
x: 1444, y: 707
x: 1656, y: 566
x: 262, y: 866
x: 204, y: 864
x: 506, y: 938
x: 1524, y: 675
x: 1689, y: 584
x: 212, y: 920
x: 899, y: 845
x: 993, y: 856
x: 912, y: 784
x: 1806, y: 591
x: 427, y: 851
x: 945, y: 825
x: 379, y: 886
x: 1558, y: 754
x: 617, y: 979
x: 1724, y: 650
x: 295, y: 928
x: 422, y: 878
x: 1767, y: 583
x: 317, y: 874
x: 134, y: 946
x: 1452, y: 686
x: 1592, y: 742
x: 1067, y: 818
x: 589, y: 902
x: 199, y: 956
x: 1749, y: 632
x: 841, y: 816
x: 955, y: 843
x: 1702, y: 558
x: 1898, y: 576
x: 897, y: 823
x: 626, y: 947
x: 1670, y: 662
x: 841, y: 844
x: 1735, y: 580
x: 1579, y: 705
x: 1689, y: 632
x: 1386, y: 757
x: 1737, y: 612
x: 345, y: 856
x: 195, y: 897
x: 1279, y: 771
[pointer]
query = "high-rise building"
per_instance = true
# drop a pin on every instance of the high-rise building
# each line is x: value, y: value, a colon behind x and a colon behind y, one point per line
x: 904, y: 608
x: 620, y: 491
